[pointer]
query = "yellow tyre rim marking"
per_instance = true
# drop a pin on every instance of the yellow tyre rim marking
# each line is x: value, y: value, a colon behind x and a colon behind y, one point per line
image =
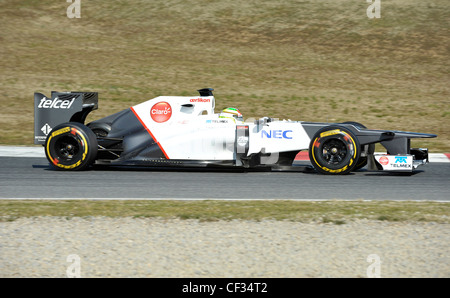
x: 329, y: 133
x: 59, y: 132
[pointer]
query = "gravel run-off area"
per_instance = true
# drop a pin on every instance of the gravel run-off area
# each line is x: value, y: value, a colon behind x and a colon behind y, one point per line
x: 149, y: 247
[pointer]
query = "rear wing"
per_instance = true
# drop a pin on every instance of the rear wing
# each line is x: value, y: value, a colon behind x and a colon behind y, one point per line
x: 61, y: 107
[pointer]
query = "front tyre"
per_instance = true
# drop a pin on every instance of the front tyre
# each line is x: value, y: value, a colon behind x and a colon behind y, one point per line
x: 334, y: 150
x: 71, y: 146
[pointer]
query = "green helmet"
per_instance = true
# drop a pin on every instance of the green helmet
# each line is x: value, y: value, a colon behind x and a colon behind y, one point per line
x: 232, y: 113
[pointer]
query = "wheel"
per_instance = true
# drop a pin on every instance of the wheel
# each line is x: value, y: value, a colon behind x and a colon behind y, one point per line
x: 71, y: 146
x: 334, y: 150
x: 367, y: 149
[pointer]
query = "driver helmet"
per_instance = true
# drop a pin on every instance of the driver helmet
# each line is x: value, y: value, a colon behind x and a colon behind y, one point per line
x: 232, y: 113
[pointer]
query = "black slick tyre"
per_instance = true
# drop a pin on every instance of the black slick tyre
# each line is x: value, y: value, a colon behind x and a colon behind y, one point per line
x: 71, y: 146
x: 334, y: 150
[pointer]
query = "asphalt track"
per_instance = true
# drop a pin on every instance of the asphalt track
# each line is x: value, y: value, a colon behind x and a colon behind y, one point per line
x: 32, y: 178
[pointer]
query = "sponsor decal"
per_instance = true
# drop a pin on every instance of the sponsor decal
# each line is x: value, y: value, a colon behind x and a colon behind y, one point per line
x: 46, y: 129
x: 217, y: 121
x: 401, y: 162
x: 40, y: 138
x: 56, y: 103
x: 392, y: 163
x: 384, y: 160
x: 200, y: 100
x: 276, y: 134
x: 401, y: 166
x: 61, y: 131
x: 330, y: 133
x: 242, y: 140
x: 161, y: 112
x: 400, y: 159
x: 149, y: 132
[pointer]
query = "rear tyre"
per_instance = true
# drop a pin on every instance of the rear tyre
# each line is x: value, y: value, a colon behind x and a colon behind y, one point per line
x: 334, y: 150
x: 71, y: 146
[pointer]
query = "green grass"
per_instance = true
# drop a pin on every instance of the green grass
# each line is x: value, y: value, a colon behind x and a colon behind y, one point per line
x: 336, y: 212
x: 303, y: 60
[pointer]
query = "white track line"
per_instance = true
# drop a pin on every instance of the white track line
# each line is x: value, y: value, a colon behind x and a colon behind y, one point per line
x: 19, y: 151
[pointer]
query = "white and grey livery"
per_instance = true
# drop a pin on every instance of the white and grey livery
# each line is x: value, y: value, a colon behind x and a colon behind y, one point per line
x: 185, y: 131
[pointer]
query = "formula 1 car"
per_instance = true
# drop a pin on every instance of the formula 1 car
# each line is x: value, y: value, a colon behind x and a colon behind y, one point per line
x: 179, y: 131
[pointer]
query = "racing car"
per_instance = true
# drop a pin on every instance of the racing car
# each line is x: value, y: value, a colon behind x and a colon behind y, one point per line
x: 185, y: 131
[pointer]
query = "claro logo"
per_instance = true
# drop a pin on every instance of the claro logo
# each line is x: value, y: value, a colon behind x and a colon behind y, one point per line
x: 161, y: 112
x: 384, y: 160
x: 55, y: 103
